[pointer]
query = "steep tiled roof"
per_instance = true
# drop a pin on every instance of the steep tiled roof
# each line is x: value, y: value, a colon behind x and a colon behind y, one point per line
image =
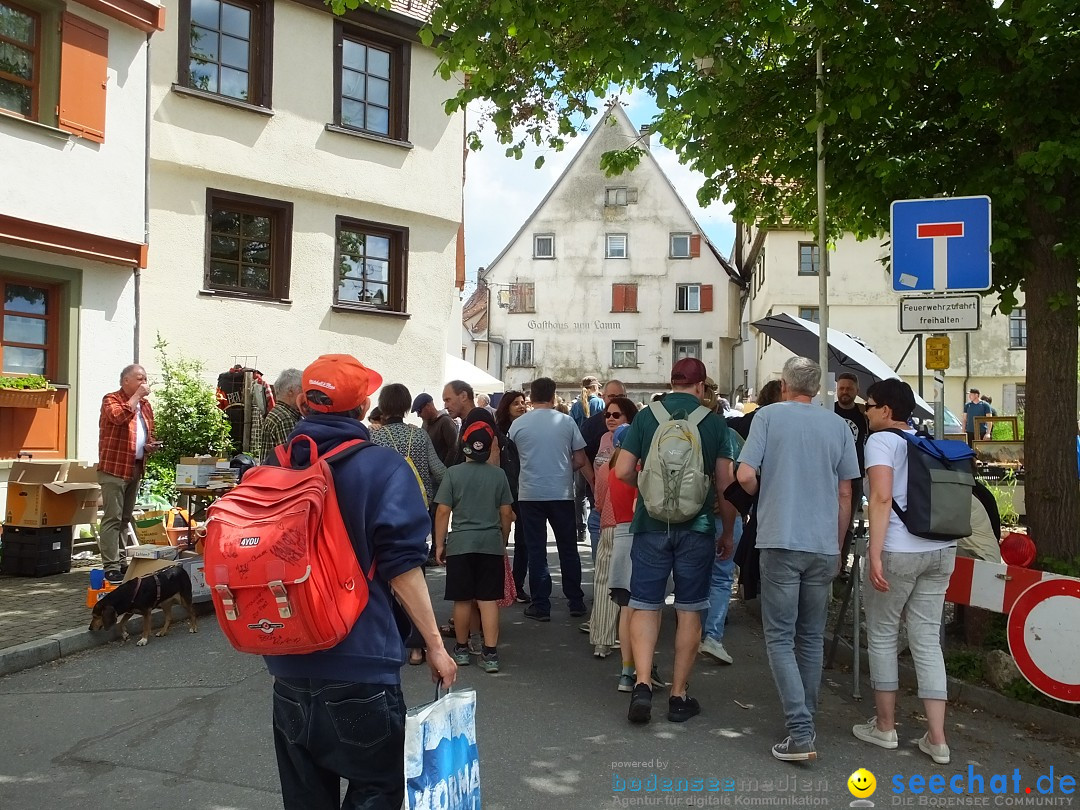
x: 416, y: 9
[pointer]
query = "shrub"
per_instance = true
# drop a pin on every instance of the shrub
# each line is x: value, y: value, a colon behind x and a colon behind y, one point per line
x: 187, y: 420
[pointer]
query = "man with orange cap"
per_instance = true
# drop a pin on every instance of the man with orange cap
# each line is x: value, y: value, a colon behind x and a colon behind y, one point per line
x: 332, y: 703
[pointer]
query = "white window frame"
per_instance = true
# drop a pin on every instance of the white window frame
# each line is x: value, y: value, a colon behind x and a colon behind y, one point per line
x: 538, y: 239
x: 521, y: 354
x: 624, y: 354
x: 611, y: 244
x: 685, y: 344
x: 616, y: 195
x: 672, y: 252
x: 688, y: 298
x: 1018, y: 328
x: 814, y: 314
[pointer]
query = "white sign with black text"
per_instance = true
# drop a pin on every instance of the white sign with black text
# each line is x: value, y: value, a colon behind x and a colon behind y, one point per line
x: 941, y: 313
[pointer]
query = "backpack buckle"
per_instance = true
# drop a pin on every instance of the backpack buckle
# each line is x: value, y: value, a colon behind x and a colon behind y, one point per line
x: 281, y: 596
x: 228, y: 602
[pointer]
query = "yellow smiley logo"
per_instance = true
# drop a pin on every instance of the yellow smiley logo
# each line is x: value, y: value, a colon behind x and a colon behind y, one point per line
x: 862, y: 784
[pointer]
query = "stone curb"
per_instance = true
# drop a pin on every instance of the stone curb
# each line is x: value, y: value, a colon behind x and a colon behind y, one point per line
x: 68, y: 642
x: 977, y: 697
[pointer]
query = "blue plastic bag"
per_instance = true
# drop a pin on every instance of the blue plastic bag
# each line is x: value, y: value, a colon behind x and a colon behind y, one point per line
x: 442, y: 766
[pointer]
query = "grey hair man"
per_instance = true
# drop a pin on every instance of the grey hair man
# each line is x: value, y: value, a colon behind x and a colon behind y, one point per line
x: 125, y: 438
x: 803, y: 512
x: 284, y: 416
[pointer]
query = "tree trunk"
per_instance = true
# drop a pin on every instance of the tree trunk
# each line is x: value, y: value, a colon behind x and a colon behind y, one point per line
x: 1052, y: 492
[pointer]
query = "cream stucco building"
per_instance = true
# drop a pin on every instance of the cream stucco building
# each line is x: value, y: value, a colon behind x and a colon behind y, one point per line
x: 73, y: 216
x: 306, y: 189
x: 782, y: 265
x: 609, y: 276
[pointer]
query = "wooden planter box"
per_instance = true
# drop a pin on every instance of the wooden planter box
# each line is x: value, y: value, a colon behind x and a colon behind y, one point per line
x: 23, y: 398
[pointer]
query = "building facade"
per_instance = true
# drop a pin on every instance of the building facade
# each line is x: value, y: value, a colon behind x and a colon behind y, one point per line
x: 782, y: 267
x: 609, y: 276
x: 73, y: 216
x: 306, y: 189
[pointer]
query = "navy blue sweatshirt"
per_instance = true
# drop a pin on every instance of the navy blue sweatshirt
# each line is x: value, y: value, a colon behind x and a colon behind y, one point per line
x: 385, y: 515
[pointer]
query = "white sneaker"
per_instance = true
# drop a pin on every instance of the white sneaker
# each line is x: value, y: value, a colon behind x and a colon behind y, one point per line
x: 869, y: 732
x: 938, y: 753
x: 714, y: 649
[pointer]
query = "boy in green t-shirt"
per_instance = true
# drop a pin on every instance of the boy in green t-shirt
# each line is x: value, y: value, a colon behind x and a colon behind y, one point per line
x: 478, y: 495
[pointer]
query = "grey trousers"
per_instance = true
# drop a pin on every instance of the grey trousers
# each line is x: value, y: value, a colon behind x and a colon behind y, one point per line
x: 117, y: 502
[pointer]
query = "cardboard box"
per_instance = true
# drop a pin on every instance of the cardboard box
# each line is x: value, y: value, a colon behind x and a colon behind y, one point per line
x: 193, y: 564
x: 194, y: 471
x: 152, y: 552
x: 144, y: 567
x: 150, y: 528
x: 51, y: 493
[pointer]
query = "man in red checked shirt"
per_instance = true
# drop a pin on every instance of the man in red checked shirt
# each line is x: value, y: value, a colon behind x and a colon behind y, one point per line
x: 125, y: 436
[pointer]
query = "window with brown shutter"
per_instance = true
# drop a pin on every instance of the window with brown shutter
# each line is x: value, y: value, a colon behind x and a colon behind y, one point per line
x: 522, y: 297
x: 624, y: 297
x: 695, y: 245
x: 84, y: 77
x: 706, y: 297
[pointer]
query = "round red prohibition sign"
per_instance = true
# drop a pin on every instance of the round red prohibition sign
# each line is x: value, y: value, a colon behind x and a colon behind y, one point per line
x: 1044, y: 637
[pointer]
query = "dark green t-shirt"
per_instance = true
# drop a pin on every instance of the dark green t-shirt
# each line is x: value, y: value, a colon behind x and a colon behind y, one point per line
x: 716, y: 442
x: 474, y: 491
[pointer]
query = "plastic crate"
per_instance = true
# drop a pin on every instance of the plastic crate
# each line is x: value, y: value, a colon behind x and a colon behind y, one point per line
x: 35, y: 552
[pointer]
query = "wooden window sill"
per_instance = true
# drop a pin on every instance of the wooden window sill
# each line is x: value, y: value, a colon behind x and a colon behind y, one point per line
x: 225, y: 100
x: 382, y: 313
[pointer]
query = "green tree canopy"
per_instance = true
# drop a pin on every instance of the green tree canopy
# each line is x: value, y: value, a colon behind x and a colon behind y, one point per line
x: 954, y: 98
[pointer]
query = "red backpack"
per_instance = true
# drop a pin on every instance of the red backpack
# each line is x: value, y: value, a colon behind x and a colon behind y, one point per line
x: 279, y: 562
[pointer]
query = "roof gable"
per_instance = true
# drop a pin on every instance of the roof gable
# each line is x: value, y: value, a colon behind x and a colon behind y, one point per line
x: 614, y: 130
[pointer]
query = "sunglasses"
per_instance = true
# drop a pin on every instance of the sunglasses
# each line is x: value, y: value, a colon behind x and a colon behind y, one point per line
x: 613, y: 414
x: 871, y: 406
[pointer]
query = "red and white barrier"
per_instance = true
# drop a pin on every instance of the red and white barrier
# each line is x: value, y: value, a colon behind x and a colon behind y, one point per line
x: 991, y: 586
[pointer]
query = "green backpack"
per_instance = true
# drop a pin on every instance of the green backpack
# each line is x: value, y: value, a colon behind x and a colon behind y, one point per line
x: 673, y: 483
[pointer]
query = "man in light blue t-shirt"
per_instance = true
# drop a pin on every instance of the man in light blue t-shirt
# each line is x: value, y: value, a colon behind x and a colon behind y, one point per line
x: 550, y: 447
x: 806, y: 459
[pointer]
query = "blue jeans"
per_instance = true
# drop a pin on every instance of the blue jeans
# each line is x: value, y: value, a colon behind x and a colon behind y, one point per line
x: 326, y: 731
x: 794, y: 601
x: 593, y: 524
x: 535, y: 515
x: 683, y: 555
x: 723, y: 577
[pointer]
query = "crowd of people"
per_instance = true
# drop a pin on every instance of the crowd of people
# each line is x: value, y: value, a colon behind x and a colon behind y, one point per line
x: 769, y: 493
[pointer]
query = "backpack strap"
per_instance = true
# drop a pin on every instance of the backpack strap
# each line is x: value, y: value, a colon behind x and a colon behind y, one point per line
x: 661, y: 414
x: 284, y: 452
x: 697, y: 416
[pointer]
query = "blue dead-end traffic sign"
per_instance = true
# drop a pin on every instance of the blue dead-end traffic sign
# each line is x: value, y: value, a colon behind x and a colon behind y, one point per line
x: 941, y: 244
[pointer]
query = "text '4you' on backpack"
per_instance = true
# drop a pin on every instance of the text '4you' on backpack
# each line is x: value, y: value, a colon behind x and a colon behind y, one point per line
x: 673, y: 483
x: 281, y: 568
x: 941, y: 479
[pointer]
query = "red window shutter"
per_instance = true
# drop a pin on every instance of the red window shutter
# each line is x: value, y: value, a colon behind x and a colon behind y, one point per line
x: 631, y: 298
x: 706, y: 297
x: 84, y: 74
x: 695, y: 245
x: 618, y: 298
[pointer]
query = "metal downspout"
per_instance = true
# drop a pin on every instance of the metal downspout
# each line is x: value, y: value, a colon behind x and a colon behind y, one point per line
x: 146, y: 209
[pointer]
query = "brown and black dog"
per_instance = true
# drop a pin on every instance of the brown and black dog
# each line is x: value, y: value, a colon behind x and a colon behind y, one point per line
x: 141, y: 595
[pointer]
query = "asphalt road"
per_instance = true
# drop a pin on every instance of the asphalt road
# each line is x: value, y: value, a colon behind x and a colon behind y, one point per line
x: 185, y: 723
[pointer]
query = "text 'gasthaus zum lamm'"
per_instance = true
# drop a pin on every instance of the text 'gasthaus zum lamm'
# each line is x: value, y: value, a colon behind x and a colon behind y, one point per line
x: 573, y: 326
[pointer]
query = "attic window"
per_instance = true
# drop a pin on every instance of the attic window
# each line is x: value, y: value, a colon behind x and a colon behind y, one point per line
x: 620, y: 195
x: 544, y: 246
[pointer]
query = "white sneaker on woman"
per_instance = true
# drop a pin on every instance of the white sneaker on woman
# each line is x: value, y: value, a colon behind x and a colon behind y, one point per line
x: 869, y: 732
x: 939, y: 753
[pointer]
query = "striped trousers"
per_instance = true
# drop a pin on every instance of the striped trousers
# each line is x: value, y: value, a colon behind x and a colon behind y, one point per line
x: 604, y: 621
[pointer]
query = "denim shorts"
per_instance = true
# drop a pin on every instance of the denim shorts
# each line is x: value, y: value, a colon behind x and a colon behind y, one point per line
x: 684, y: 555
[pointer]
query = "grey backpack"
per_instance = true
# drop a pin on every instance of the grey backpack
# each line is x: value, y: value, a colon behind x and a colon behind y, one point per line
x: 673, y: 483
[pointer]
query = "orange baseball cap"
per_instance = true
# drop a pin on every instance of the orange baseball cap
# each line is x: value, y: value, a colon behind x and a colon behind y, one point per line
x: 335, y: 383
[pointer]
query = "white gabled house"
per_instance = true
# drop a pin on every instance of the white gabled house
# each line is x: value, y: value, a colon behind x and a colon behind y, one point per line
x: 609, y: 276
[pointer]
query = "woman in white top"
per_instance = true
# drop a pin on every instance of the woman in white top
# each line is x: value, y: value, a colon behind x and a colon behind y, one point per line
x: 909, y: 576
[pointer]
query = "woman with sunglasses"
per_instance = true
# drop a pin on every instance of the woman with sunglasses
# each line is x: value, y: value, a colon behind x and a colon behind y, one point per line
x: 605, y: 613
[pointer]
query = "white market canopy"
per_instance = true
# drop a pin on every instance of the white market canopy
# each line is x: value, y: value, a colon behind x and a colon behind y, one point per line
x: 480, y: 380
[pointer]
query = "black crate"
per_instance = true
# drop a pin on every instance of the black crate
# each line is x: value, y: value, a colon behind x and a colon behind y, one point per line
x: 35, y: 552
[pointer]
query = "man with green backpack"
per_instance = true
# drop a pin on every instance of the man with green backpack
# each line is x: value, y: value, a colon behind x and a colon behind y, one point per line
x: 686, y: 454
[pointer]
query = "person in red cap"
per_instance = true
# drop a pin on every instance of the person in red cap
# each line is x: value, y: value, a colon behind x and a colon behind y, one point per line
x: 684, y: 551
x: 478, y: 496
x: 329, y: 704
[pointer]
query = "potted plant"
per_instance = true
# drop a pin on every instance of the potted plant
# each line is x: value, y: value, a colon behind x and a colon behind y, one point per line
x: 26, y: 391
